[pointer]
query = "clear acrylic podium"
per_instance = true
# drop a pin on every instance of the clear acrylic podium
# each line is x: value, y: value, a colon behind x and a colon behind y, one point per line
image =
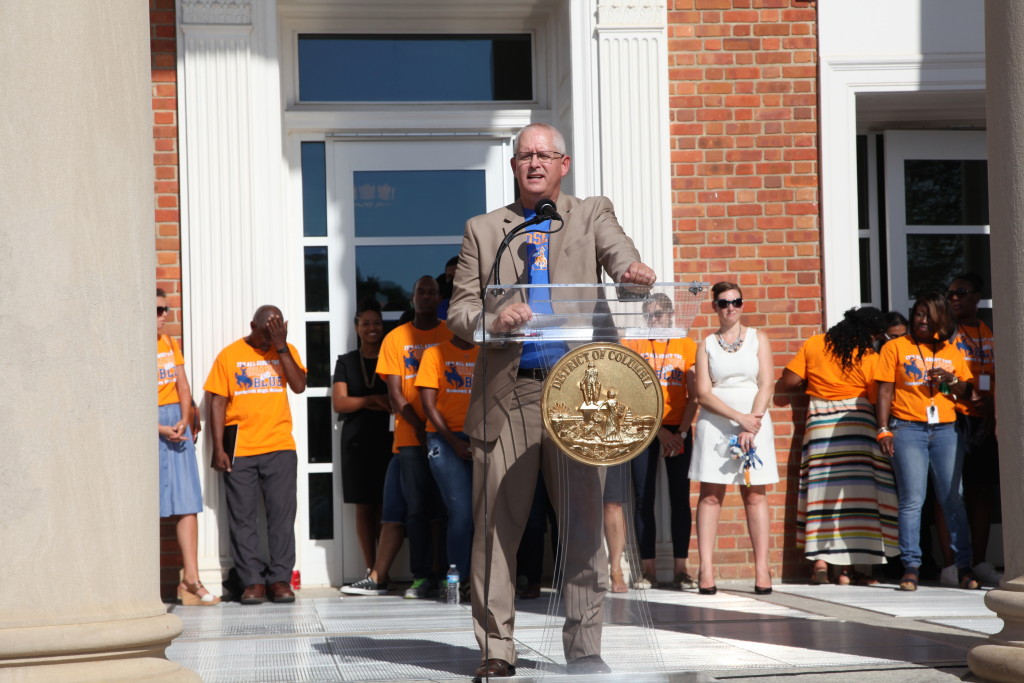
x: 581, y: 616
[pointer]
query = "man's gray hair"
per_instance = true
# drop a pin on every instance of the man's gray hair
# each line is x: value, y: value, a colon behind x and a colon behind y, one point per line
x: 556, y: 136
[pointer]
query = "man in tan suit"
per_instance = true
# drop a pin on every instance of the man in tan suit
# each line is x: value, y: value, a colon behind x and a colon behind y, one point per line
x: 504, y: 421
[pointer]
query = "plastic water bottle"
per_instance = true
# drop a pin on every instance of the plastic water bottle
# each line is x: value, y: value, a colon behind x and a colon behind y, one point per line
x: 452, y: 594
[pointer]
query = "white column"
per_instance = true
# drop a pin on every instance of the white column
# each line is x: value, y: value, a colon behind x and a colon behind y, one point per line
x: 1002, y: 658
x: 632, y: 117
x: 235, y: 254
x: 79, y: 503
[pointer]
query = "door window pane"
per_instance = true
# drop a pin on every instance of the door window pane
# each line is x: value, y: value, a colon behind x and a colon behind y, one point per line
x: 316, y: 278
x: 934, y: 260
x: 946, y: 192
x: 389, y: 273
x: 318, y: 354
x: 415, y: 68
x: 415, y: 203
x: 865, y: 269
x: 318, y: 429
x: 321, y: 506
x: 314, y: 189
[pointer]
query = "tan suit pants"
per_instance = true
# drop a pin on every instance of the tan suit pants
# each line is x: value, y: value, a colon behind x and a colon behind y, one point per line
x: 504, y: 479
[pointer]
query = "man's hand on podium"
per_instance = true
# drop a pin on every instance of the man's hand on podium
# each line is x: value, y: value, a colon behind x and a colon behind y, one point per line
x: 511, y: 317
x: 639, y: 274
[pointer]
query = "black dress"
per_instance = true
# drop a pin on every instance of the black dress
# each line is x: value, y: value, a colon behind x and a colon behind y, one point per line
x: 365, y: 439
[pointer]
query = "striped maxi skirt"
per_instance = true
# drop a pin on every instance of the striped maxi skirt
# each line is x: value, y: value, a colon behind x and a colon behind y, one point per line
x: 847, y: 511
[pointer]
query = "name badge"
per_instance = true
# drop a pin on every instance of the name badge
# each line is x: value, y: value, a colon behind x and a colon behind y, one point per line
x: 984, y: 382
x: 391, y: 422
x: 933, y: 414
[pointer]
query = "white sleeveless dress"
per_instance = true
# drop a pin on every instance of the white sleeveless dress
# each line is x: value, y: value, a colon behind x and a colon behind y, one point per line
x: 734, y: 381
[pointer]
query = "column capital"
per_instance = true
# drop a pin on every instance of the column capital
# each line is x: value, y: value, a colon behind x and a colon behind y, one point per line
x: 631, y: 13
x: 216, y: 12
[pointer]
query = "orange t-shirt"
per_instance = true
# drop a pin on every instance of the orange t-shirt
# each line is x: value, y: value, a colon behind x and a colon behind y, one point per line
x: 257, y: 395
x: 168, y: 358
x: 826, y: 378
x: 670, y: 360
x: 400, y: 355
x: 978, y: 347
x: 449, y: 369
x: 907, y: 364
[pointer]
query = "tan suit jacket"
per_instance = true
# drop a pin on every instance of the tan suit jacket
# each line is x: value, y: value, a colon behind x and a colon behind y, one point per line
x: 591, y: 240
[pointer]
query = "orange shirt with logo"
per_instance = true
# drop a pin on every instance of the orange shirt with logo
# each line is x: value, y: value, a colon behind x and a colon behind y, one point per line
x: 826, y: 378
x: 168, y: 358
x: 400, y: 354
x: 906, y: 364
x: 449, y: 369
x: 257, y: 393
x: 977, y: 344
x: 670, y: 360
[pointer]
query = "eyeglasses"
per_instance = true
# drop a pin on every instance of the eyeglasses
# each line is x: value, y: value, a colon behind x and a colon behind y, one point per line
x: 543, y: 157
x: 735, y: 303
x: 658, y: 314
x: 161, y: 310
x: 958, y: 293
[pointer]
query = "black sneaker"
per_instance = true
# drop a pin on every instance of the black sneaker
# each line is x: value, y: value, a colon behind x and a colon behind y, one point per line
x: 366, y: 586
x: 421, y: 589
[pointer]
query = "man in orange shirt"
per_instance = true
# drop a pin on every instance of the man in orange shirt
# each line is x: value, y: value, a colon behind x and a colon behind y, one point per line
x: 398, y: 363
x: 976, y: 420
x: 247, y: 388
x: 445, y: 381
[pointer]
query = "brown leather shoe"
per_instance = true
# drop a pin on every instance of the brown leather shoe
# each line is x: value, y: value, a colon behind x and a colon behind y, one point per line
x: 494, y: 668
x: 254, y: 594
x: 281, y: 592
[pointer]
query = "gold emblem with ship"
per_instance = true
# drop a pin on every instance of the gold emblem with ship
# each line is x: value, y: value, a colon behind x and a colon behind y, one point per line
x: 602, y: 404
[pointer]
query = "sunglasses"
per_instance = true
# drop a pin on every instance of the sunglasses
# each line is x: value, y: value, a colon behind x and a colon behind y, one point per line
x: 958, y: 293
x: 160, y: 310
x: 736, y: 303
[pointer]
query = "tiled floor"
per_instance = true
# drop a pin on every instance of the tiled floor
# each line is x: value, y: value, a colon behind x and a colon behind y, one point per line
x: 391, y: 639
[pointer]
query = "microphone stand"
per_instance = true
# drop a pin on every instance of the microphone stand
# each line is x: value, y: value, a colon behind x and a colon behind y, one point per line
x: 507, y: 240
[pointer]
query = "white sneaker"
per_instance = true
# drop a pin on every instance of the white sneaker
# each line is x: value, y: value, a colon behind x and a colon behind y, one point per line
x: 988, y: 573
x: 644, y: 583
x: 950, y: 577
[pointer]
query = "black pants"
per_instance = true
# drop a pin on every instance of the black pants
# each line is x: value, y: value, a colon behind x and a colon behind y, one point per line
x: 270, y: 477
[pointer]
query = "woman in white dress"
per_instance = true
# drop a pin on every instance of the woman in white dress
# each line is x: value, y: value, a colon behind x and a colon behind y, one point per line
x: 735, y: 381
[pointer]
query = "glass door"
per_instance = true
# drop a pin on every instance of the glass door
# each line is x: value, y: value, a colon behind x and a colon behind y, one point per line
x: 393, y: 210
x: 936, y: 188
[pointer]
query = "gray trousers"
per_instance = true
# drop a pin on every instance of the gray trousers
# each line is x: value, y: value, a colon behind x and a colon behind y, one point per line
x: 270, y: 477
x: 503, y: 492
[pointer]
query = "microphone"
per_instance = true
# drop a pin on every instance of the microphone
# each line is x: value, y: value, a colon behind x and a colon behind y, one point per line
x: 546, y: 208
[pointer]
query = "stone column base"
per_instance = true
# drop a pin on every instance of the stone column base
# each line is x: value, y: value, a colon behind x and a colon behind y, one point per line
x: 123, y: 650
x: 1002, y: 659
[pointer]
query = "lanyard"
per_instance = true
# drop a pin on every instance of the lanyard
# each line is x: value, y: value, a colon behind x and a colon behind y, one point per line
x: 931, y: 385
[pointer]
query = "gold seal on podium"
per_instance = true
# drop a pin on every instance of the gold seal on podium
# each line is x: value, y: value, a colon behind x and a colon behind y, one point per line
x: 602, y: 404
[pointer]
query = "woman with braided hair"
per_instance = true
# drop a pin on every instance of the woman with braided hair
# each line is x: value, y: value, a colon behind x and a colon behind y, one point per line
x: 847, y: 505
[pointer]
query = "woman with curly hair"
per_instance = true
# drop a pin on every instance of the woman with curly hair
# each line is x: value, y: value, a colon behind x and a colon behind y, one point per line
x: 847, y: 501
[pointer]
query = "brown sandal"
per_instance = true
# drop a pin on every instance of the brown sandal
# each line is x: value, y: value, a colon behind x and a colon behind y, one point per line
x: 908, y: 582
x: 195, y: 594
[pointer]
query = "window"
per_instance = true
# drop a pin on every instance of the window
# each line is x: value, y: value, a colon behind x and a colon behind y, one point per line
x: 415, y: 68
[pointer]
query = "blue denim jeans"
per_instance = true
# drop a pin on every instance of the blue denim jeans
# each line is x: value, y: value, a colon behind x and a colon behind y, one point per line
x: 421, y: 500
x: 454, y: 477
x: 918, y: 448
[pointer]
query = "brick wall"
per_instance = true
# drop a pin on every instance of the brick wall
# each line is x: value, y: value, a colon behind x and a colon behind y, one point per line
x: 163, y: 51
x: 743, y: 113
